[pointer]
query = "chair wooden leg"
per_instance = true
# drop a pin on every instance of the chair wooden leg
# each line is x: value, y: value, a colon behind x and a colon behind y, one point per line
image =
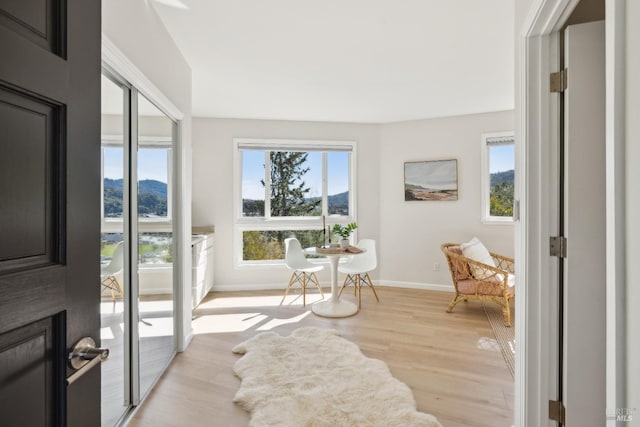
x: 456, y: 299
x: 304, y: 289
x: 118, y: 287
x: 370, y: 283
x: 286, y: 291
x: 359, y: 290
x: 347, y: 281
x: 506, y: 311
x: 112, y: 284
x: 314, y: 279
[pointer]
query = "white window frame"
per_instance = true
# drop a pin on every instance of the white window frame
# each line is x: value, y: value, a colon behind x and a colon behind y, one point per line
x: 267, y: 222
x: 487, y: 140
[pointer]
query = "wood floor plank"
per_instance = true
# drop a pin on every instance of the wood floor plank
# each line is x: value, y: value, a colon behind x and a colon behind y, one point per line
x: 437, y: 354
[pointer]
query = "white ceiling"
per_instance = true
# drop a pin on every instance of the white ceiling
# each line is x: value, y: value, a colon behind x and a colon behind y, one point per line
x: 366, y: 61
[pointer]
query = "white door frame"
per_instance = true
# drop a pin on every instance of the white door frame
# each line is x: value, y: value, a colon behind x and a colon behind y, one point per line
x: 537, y: 130
x: 118, y: 61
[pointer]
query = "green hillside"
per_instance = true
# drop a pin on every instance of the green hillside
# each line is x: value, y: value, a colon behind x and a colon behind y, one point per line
x: 152, y: 198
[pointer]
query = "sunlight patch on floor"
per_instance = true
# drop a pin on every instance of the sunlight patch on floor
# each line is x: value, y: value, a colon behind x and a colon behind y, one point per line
x: 218, y: 323
x: 156, y: 327
x: 111, y: 307
x: 486, y: 343
x: 274, y: 323
x: 155, y: 306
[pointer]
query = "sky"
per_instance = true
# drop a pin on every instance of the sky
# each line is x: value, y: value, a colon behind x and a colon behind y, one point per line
x: 337, y: 173
x: 152, y: 163
x: 501, y: 158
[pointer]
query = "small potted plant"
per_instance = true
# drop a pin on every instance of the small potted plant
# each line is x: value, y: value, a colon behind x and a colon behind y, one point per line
x: 344, y: 232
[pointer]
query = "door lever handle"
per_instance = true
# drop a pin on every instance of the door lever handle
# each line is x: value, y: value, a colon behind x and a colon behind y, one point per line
x: 84, y: 356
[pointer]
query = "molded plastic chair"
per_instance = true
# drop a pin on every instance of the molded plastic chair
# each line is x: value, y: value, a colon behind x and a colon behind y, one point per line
x: 108, y: 272
x: 303, y: 270
x: 357, y: 270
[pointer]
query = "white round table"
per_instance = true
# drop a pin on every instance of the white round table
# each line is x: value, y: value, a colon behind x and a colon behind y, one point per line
x: 334, y: 307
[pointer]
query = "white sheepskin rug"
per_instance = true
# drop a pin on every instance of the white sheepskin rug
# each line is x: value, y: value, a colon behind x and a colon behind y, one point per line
x: 314, y: 378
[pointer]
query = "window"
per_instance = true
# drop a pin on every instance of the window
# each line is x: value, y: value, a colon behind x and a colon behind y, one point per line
x: 284, y: 189
x: 498, y: 172
x: 154, y: 159
x: 154, y: 179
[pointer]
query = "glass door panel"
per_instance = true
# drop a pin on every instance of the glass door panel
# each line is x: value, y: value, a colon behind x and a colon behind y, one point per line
x: 155, y: 299
x: 113, y: 333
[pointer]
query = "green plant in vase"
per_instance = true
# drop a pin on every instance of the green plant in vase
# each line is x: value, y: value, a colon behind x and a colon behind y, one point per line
x: 344, y: 232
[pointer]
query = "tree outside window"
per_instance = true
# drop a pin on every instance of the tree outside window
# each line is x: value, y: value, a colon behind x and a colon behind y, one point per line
x: 285, y: 193
x: 498, y: 177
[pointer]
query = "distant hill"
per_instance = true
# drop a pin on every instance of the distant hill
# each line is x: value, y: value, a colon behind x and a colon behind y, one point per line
x: 339, y: 199
x: 338, y: 203
x: 152, y: 198
x: 500, y: 177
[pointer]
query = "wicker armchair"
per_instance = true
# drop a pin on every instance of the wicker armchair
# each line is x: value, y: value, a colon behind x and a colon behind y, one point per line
x: 478, y: 281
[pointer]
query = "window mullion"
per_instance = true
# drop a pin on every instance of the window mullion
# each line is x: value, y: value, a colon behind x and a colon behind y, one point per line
x: 325, y: 196
x: 267, y: 184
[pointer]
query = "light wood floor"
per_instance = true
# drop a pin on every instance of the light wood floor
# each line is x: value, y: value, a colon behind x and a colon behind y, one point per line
x: 440, y: 356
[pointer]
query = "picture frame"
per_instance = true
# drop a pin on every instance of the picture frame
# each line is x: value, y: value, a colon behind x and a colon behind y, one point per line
x: 431, y: 180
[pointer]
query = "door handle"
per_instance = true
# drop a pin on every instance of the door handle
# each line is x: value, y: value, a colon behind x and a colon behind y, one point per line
x: 84, y: 356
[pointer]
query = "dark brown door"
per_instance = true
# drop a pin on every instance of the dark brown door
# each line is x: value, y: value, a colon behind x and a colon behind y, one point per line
x: 49, y: 208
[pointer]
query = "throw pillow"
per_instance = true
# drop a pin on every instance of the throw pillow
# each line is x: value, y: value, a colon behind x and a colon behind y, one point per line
x: 475, y: 250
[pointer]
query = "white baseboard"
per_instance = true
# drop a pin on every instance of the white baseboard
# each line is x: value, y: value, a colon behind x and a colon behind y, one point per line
x: 417, y: 285
x: 248, y: 287
x: 279, y: 285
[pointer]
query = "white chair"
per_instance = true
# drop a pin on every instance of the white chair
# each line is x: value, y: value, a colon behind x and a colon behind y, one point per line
x: 108, y: 272
x: 303, y: 270
x: 357, y: 270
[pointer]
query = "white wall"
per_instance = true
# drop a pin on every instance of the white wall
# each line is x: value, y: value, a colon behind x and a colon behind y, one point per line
x: 411, y: 232
x: 633, y: 203
x: 213, y: 189
x: 135, y: 29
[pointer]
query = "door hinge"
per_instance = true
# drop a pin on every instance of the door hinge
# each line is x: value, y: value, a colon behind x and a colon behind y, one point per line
x: 558, y: 246
x: 558, y: 81
x: 557, y: 411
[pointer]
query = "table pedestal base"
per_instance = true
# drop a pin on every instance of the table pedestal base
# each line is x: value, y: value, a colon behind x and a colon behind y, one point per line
x: 334, y: 308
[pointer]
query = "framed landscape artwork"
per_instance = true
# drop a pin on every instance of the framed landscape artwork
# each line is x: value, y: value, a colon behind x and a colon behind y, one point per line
x: 431, y: 180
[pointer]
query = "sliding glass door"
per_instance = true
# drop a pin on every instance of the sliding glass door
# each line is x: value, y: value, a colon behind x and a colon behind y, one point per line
x: 115, y: 292
x: 155, y: 241
x: 137, y: 249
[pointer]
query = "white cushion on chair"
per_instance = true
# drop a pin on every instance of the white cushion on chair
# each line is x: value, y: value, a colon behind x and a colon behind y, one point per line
x: 475, y: 250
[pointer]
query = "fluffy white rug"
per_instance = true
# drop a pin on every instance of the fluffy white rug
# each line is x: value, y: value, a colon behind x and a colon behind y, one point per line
x: 314, y: 378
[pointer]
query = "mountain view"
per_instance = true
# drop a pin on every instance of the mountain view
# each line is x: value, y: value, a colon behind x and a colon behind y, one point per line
x: 500, y: 177
x: 338, y: 205
x: 152, y: 198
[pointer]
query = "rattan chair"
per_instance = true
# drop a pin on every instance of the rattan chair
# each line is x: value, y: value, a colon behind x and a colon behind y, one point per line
x: 477, y: 281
